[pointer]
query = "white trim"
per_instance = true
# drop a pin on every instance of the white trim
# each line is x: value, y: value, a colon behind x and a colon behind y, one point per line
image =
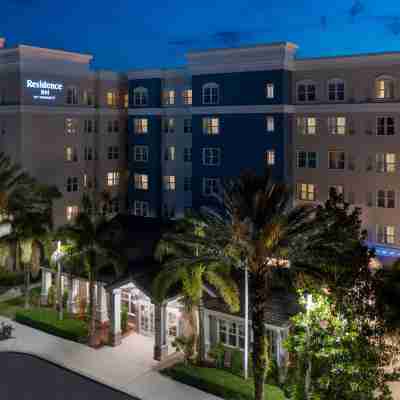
x: 67, y: 110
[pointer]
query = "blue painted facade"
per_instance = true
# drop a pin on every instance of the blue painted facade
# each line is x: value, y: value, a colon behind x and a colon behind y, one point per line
x: 153, y: 85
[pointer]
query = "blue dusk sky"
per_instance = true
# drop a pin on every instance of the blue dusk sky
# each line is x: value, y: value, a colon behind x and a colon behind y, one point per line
x: 128, y: 34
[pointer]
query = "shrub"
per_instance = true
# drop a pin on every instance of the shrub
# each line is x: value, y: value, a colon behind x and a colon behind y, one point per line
x: 10, y: 279
x: 124, y: 318
x: 51, y: 296
x: 217, y: 353
x: 65, y: 298
x: 185, y: 345
x: 47, y: 321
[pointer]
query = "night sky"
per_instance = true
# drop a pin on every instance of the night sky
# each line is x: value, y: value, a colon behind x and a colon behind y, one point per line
x: 127, y: 34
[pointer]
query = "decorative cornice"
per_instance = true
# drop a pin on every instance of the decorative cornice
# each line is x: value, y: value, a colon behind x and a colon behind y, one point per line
x: 157, y: 73
x: 54, y: 54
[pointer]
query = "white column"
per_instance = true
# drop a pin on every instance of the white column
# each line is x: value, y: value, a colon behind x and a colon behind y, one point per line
x: 160, y: 336
x: 46, y: 283
x: 72, y: 305
x: 206, y: 325
x: 115, y: 331
x: 102, y: 314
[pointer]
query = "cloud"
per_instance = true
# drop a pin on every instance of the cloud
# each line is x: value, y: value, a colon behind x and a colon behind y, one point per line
x: 390, y: 22
x: 356, y: 9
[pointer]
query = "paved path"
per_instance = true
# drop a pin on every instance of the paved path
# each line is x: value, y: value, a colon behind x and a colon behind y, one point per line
x: 128, y: 367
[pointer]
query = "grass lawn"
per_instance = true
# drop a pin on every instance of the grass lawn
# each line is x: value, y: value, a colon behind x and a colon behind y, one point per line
x: 10, y: 307
x: 219, y: 382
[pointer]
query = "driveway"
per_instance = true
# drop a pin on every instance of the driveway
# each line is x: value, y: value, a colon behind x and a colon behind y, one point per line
x: 128, y: 367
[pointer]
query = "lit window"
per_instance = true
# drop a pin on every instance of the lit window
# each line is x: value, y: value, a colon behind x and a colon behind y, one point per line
x: 210, y: 93
x: 168, y: 125
x: 270, y: 157
x: 187, y: 96
x: 113, y: 152
x: 187, y: 125
x: 187, y: 184
x: 72, y: 212
x: 269, y: 91
x: 337, y: 189
x: 126, y: 100
x: 384, y: 87
x: 385, y: 162
x: 88, y: 98
x: 337, y: 125
x: 211, y: 156
x: 306, y: 91
x: 140, y: 96
x: 72, y: 95
x: 336, y: 159
x: 386, y: 234
x: 306, y: 159
x: 386, y: 198
x: 72, y: 184
x: 306, y: 191
x: 210, y: 126
x: 385, y: 126
x: 336, y: 90
x: 141, y: 182
x: 141, y: 125
x: 141, y: 153
x: 113, y: 178
x: 270, y: 124
x: 71, y: 126
x: 169, y: 97
x: 210, y: 186
x: 71, y: 154
x: 231, y: 333
x: 169, y: 153
x: 141, y: 208
x: 307, y: 125
x: 112, y: 99
x: 169, y: 183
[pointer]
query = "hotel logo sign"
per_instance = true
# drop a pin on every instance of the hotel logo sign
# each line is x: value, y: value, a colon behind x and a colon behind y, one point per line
x: 44, y: 90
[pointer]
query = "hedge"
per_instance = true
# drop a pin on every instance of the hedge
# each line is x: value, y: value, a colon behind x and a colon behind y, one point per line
x: 47, y: 320
x: 219, y: 382
x: 9, y: 279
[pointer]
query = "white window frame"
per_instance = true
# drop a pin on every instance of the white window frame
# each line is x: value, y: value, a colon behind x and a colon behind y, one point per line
x: 337, y: 125
x: 113, y: 178
x: 214, y: 159
x: 141, y: 181
x: 270, y: 123
x: 386, y: 198
x: 141, y: 208
x: 270, y: 157
x: 307, y: 159
x: 336, y: 82
x: 170, y: 153
x: 304, y: 127
x: 307, y: 84
x: 187, y: 154
x: 74, y: 98
x: 336, y: 161
x: 187, y: 96
x: 168, y: 125
x: 387, y: 237
x: 210, y: 125
x: 169, y: 97
x: 386, y: 165
x: 142, y: 94
x: 211, y: 86
x: 304, y: 193
x: 141, y: 153
x: 141, y: 126
x: 269, y: 90
x: 112, y: 98
x: 385, y: 125
x: 237, y: 334
x: 386, y: 92
x: 187, y: 127
x: 215, y: 182
x: 169, y: 183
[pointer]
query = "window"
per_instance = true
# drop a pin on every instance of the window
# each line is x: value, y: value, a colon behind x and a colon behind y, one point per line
x: 384, y: 87
x: 307, y: 125
x: 269, y: 91
x: 306, y: 159
x: 211, y: 126
x: 89, y: 126
x: 141, y: 208
x: 169, y: 97
x: 270, y: 124
x: 112, y: 99
x: 88, y: 154
x: 72, y: 95
x: 336, y: 159
x: 113, y: 178
x: 71, y: 126
x: 306, y: 91
x: 270, y: 157
x: 210, y: 186
x: 141, y: 126
x: 111, y: 207
x: 187, y: 184
x: 72, y: 184
x: 71, y: 154
x: 187, y: 154
x: 385, y: 126
x: 306, y: 191
x: 109, y: 126
x: 87, y: 181
x: 140, y: 96
x: 385, y: 198
x: 231, y: 333
x: 337, y: 125
x: 336, y: 90
x: 385, y: 162
x: 113, y: 152
x: 187, y: 96
x: 169, y: 183
x: 210, y: 92
x: 169, y: 153
x: 168, y: 125
x: 88, y: 98
x: 187, y: 125
x: 72, y: 212
x: 211, y: 156
x: 126, y: 100
x: 337, y: 189
x: 141, y: 153
x: 141, y: 182
x: 386, y: 234
x: 116, y: 126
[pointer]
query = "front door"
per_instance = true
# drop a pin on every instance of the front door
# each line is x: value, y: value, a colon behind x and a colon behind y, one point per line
x: 146, y: 318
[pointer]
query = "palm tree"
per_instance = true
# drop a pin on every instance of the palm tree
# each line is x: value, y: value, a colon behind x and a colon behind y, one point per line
x: 96, y: 241
x: 187, y: 262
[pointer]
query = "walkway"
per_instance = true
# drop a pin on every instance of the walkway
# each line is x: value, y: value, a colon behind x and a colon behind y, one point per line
x: 128, y: 367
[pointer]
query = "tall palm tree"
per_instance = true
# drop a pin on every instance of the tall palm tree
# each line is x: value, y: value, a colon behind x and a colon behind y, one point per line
x: 189, y: 264
x: 95, y: 240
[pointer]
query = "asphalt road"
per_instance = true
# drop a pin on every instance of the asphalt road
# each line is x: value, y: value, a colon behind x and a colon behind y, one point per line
x: 25, y: 377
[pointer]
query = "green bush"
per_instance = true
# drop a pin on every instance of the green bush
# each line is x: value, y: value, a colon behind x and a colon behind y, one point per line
x: 124, y: 318
x: 51, y: 296
x: 10, y: 279
x: 65, y: 298
x: 217, y: 353
x: 47, y: 321
x: 219, y: 382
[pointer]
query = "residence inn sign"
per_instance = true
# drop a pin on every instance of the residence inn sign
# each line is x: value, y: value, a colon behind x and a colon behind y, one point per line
x: 44, y: 90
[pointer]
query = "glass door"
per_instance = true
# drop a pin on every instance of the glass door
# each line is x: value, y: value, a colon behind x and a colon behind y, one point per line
x: 146, y: 318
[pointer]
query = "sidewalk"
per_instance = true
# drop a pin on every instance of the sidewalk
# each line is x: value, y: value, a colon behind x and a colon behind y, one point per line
x: 128, y: 368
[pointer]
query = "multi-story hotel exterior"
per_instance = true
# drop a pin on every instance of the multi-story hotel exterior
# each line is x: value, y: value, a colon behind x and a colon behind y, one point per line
x: 161, y: 141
